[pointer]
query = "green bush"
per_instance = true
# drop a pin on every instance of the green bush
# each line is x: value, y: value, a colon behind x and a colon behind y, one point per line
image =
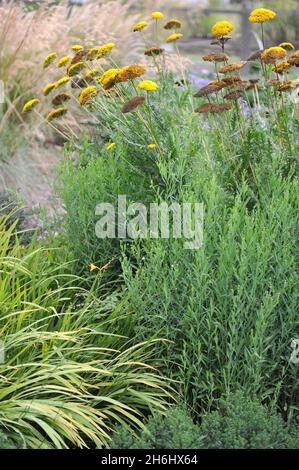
x: 175, y: 430
x: 240, y: 423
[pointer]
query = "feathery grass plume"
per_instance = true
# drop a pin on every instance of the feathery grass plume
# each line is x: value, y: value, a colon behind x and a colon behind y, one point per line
x: 63, y: 61
x: 281, y: 67
x: 234, y: 95
x: 49, y: 59
x: 132, y: 104
x: 75, y: 68
x: 209, y: 90
x: 108, y: 79
x: 215, y: 57
x: 294, y: 58
x: 130, y: 72
x: 30, y: 104
x: 152, y: 146
x: 60, y: 98
x: 139, y: 26
x: 148, y: 85
x: 212, y: 108
x: 110, y: 146
x: 76, y: 47
x: 231, y: 80
x: 269, y: 56
x: 48, y: 88
x: 86, y: 94
x: 174, y: 37
x: 92, y: 53
x: 254, y: 56
x: 261, y: 15
x: 231, y: 67
x: 173, y: 24
x: 105, y: 49
x: 55, y: 114
x: 157, y: 15
x: 62, y: 81
x: 288, y: 46
x: 222, y: 28
x: 79, y: 56
x: 153, y: 51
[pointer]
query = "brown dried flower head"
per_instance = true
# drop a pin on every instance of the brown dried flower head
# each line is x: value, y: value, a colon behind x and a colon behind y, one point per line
x: 60, y: 98
x: 153, y: 51
x: 212, y: 108
x: 232, y: 67
x: 215, y: 57
x: 209, y: 89
x: 130, y: 72
x: 231, y: 80
x: 273, y: 82
x: 234, y: 95
x: 173, y: 24
x: 78, y: 57
x: 132, y: 104
x: 282, y: 67
x: 288, y: 85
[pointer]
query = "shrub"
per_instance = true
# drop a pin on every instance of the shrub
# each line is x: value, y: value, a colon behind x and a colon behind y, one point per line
x: 175, y: 430
x: 240, y: 423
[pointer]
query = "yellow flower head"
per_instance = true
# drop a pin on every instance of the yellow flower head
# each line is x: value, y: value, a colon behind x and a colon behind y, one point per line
x: 173, y: 24
x: 63, y: 61
x: 110, y: 146
x: 105, y: 49
x: 86, y: 94
x: 174, y: 37
x: 130, y: 72
x: 48, y: 88
x: 261, y: 15
x: 222, y: 28
x: 152, y: 146
x: 139, y: 26
x: 92, y: 53
x: 157, y: 15
x: 288, y: 46
x: 148, y: 85
x: 91, y: 73
x: 49, y: 59
x: 269, y: 56
x: 107, y: 80
x: 77, y: 47
x: 75, y: 68
x: 92, y: 267
x: 55, y: 114
x: 30, y: 104
x: 62, y: 81
x: 282, y: 67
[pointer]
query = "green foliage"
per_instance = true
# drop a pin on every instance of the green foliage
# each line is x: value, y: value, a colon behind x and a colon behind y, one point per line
x: 175, y: 430
x: 246, y: 424
x: 69, y: 371
x: 240, y: 423
x: 6, y: 443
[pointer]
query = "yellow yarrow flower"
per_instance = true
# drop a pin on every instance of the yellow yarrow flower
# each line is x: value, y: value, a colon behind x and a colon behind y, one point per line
x: 107, y: 80
x: 152, y: 146
x: 30, y: 104
x: 139, y: 26
x: 157, y: 15
x: 75, y: 68
x: 77, y: 47
x: 110, y: 146
x: 261, y: 15
x: 62, y: 81
x: 49, y: 59
x: 63, y: 61
x: 174, y: 37
x: 105, y: 49
x: 55, y: 114
x: 222, y: 28
x: 269, y: 56
x: 48, y: 88
x: 86, y: 94
x: 288, y: 46
x: 148, y: 85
